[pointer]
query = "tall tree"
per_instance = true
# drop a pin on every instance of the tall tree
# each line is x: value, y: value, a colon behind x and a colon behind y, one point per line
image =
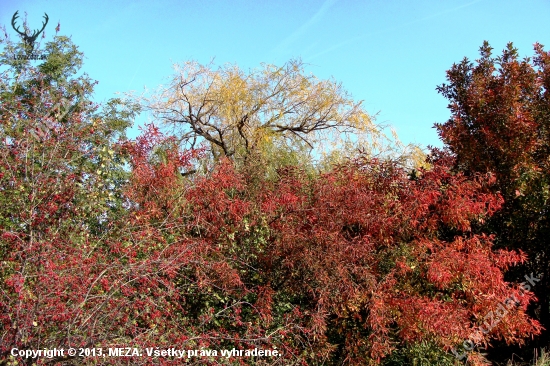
x: 237, y: 112
x: 500, y: 125
x: 60, y: 187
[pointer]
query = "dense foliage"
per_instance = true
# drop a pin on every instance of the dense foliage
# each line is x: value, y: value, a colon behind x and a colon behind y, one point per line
x: 106, y: 242
x: 500, y: 124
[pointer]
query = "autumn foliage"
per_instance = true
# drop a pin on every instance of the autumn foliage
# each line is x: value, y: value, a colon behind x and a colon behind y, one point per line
x: 500, y: 109
x: 353, y: 264
x: 104, y: 243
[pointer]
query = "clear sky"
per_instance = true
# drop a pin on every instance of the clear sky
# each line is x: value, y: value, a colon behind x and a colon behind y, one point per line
x: 390, y: 54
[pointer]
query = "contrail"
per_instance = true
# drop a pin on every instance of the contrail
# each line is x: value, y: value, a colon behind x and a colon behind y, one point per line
x: 355, y: 39
x: 139, y: 65
x: 314, y: 19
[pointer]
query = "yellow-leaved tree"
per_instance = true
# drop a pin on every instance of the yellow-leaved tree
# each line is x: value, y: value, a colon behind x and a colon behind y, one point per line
x: 269, y: 113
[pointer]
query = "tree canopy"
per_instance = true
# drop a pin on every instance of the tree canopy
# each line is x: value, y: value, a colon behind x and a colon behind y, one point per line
x: 105, y: 243
x: 500, y: 124
x: 237, y: 112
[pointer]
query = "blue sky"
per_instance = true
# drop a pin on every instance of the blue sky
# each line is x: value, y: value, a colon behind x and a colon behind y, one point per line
x: 390, y: 54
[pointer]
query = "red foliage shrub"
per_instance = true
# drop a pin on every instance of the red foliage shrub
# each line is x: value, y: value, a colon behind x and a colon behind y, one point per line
x: 352, y: 264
